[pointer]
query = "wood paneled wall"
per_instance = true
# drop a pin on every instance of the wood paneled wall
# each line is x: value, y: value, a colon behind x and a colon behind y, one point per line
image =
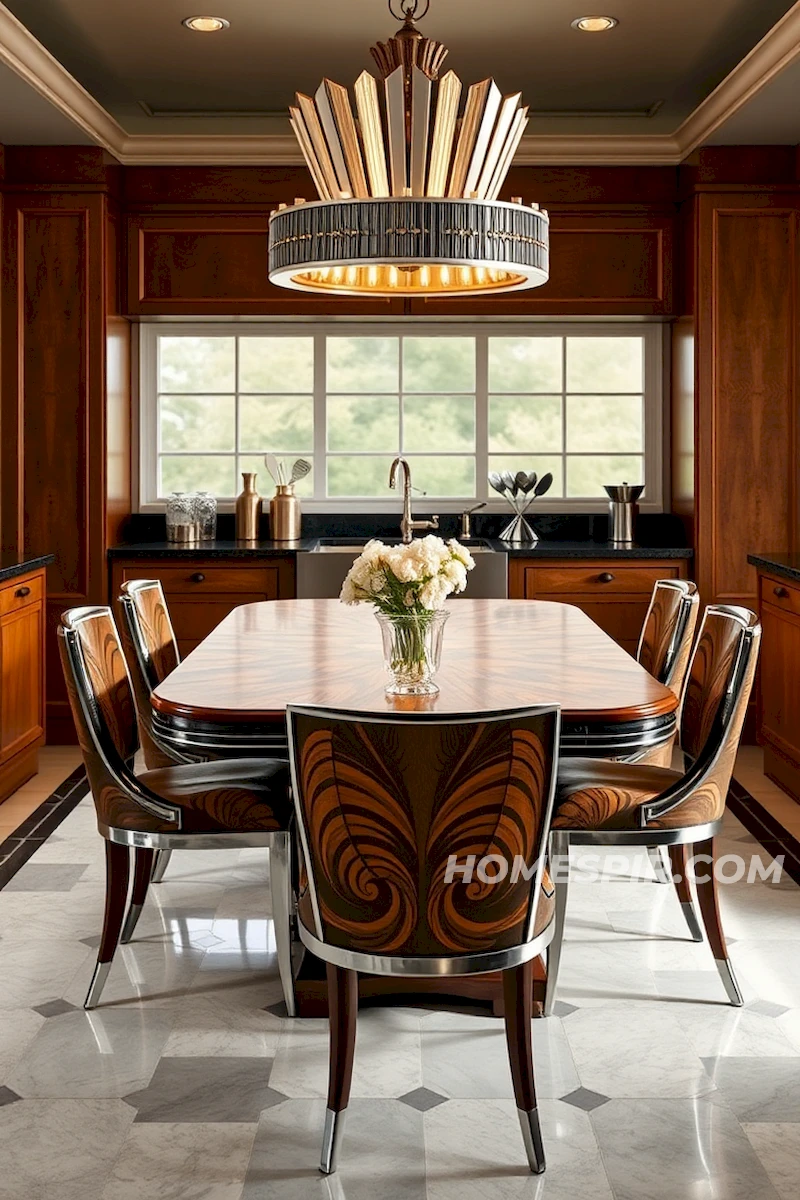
x: 89, y: 245
x: 66, y: 405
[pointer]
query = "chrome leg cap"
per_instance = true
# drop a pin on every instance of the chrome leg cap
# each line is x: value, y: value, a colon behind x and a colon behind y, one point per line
x: 131, y: 921
x: 729, y: 980
x: 532, y: 1137
x: 96, y: 986
x: 692, y: 921
x: 331, y: 1140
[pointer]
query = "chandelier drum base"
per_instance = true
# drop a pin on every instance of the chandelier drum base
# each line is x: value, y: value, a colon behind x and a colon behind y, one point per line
x: 407, y: 246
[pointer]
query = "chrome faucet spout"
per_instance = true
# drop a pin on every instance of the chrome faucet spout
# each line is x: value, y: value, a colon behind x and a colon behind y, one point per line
x: 407, y: 523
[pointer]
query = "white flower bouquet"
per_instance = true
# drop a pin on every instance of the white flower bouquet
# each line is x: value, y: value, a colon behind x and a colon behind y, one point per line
x: 408, y: 586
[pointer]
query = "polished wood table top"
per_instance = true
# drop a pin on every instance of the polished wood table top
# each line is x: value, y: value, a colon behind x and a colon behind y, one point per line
x: 496, y: 654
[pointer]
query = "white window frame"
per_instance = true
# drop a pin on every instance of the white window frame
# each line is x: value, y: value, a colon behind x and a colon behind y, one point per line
x: 655, y: 389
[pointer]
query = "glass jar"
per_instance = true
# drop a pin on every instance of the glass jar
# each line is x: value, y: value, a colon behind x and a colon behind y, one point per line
x: 205, y: 513
x: 179, y: 512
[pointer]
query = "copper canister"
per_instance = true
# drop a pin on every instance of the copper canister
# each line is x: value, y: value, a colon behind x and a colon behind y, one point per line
x: 284, y: 514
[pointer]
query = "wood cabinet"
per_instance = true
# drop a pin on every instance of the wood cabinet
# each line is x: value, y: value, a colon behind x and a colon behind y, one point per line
x: 200, y: 592
x: 21, y: 679
x: 779, y: 693
x: 614, y: 594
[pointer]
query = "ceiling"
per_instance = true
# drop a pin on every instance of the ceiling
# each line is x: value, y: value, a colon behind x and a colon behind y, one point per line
x: 771, y: 118
x: 27, y: 119
x: 147, y: 87
x: 672, y: 53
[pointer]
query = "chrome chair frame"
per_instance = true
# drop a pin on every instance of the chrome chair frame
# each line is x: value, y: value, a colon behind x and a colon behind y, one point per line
x: 278, y: 843
x: 689, y: 603
x: 147, y: 669
x: 428, y: 966
x: 679, y: 792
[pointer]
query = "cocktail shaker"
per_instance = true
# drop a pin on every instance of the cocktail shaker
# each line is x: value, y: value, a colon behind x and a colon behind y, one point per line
x: 622, y: 510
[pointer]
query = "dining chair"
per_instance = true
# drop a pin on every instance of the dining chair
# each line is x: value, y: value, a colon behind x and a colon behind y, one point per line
x: 601, y: 803
x: 151, y: 652
x: 201, y: 806
x: 665, y: 645
x: 393, y: 813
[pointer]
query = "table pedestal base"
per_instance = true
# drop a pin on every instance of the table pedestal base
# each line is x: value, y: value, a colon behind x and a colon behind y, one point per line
x: 311, y: 989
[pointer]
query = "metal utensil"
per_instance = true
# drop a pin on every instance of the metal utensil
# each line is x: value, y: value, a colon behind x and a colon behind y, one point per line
x: 544, y: 484
x: 526, y: 481
x: 274, y: 467
x: 510, y: 481
x: 299, y: 470
x: 496, y: 481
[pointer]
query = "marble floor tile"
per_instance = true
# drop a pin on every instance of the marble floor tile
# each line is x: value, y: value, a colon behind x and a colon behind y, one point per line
x: 678, y: 1150
x: 209, y: 1027
x: 382, y: 1153
x: 727, y: 1032
x: 773, y: 967
x: 207, y: 1090
x: 758, y: 1089
x: 151, y: 972
x: 467, y: 1057
x: 33, y: 975
x: 18, y: 1028
x: 597, y: 975
x: 474, y: 1151
x: 645, y: 1055
x: 60, y: 1149
x: 83, y: 1055
x: 182, y: 1162
x: 778, y: 1147
x: 388, y: 1057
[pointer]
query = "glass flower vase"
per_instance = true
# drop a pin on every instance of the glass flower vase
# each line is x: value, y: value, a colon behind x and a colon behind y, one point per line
x: 412, y: 648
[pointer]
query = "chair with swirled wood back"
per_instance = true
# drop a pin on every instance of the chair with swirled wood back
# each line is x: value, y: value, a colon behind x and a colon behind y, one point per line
x: 215, y: 805
x: 393, y: 814
x: 602, y: 803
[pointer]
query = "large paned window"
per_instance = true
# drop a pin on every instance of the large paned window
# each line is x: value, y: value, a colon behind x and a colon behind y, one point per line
x: 458, y: 401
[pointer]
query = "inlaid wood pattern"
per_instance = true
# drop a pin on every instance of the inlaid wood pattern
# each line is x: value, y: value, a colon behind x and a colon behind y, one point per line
x: 385, y: 805
x: 497, y: 654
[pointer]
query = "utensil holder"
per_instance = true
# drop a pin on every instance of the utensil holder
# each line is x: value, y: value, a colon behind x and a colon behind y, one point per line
x: 519, y: 532
x: 284, y: 514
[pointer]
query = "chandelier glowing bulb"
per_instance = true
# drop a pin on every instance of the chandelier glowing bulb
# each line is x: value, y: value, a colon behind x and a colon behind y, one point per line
x: 408, y: 188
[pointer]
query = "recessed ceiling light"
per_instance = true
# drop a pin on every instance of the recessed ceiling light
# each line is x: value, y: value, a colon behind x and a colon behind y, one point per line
x: 205, y: 24
x: 594, y: 24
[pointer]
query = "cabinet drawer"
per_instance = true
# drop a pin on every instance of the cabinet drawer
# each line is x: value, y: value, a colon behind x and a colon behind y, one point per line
x: 598, y: 577
x: 198, y: 580
x: 780, y: 594
x: 19, y: 592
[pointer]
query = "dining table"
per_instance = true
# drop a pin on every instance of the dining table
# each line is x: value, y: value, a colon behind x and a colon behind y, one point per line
x: 228, y: 698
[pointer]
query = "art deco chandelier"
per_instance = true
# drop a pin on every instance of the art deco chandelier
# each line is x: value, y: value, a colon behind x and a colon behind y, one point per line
x: 408, y: 187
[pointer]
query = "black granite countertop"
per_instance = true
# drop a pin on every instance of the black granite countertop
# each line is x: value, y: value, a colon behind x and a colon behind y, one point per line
x: 268, y: 549
x: 592, y: 550
x: 12, y: 565
x: 785, y: 565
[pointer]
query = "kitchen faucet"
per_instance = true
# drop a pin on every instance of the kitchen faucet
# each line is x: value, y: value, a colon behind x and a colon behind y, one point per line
x: 408, y: 524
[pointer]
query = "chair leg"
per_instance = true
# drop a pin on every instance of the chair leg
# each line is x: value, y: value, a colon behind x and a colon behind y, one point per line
x: 343, y: 1008
x: 559, y: 857
x: 517, y: 1001
x: 117, y: 875
x: 709, y: 907
x: 280, y: 883
x: 679, y: 859
x: 142, y: 874
x: 660, y: 868
x: 160, y: 865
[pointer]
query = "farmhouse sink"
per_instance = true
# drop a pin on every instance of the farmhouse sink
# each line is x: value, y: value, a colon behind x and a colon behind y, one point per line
x: 321, y: 569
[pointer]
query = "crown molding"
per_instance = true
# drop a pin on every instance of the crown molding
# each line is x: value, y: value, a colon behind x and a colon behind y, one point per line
x: 23, y: 54
x: 26, y: 57
x: 776, y: 51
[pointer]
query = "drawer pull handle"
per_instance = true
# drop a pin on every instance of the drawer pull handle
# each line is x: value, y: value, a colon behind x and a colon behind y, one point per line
x: 198, y: 577
x: 22, y: 592
x: 606, y: 577
x: 780, y: 592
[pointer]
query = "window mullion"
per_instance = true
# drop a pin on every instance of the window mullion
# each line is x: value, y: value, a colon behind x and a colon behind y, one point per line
x: 320, y: 416
x: 481, y: 416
